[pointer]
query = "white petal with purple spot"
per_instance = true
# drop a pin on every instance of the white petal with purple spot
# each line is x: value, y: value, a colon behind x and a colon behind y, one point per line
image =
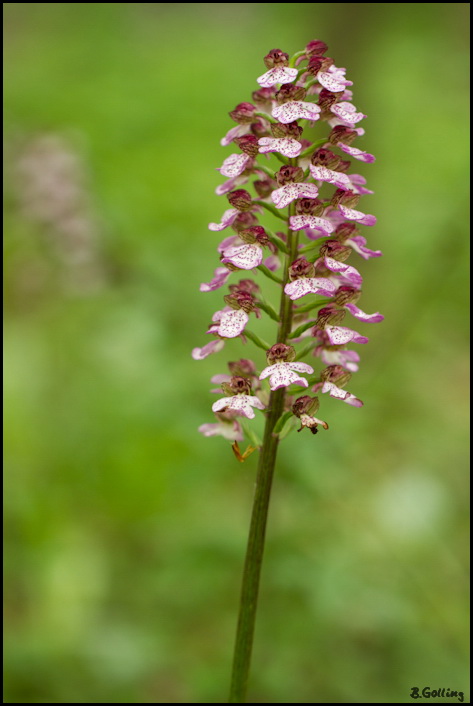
x: 359, y: 314
x: 296, y: 110
x: 310, y: 285
x: 339, y: 336
x: 278, y: 74
x: 340, y: 394
x: 350, y: 273
x: 313, y: 222
x: 356, y: 153
x: 232, y: 323
x: 350, y: 214
x: 339, y: 180
x: 227, y: 219
x: 283, y: 196
x: 246, y: 256
x: 234, y: 165
x: 287, y: 146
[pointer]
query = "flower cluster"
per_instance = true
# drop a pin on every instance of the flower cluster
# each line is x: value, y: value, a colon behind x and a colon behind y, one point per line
x: 307, y: 183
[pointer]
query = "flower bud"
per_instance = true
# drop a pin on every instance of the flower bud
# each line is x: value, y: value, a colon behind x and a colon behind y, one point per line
x: 319, y: 63
x: 240, y: 199
x: 289, y: 92
x: 263, y: 96
x: 248, y: 144
x: 242, y: 368
x: 244, y: 220
x: 343, y: 166
x: 327, y: 99
x: 305, y: 405
x: 330, y: 316
x: 324, y: 158
x: 286, y: 129
x: 347, y: 198
x: 254, y: 234
x: 341, y: 133
x: 346, y: 295
x: 243, y: 113
x: 345, y: 231
x: 336, y: 374
x: 288, y: 175
x: 244, y: 285
x: 237, y: 386
x: 276, y: 57
x: 335, y: 249
x: 264, y: 187
x: 316, y: 47
x: 280, y: 353
x: 301, y: 268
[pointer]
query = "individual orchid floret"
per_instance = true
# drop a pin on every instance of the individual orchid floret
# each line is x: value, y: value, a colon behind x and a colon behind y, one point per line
x: 347, y: 112
x: 234, y: 165
x: 358, y: 184
x: 287, y: 146
x: 219, y: 279
x: 348, y: 272
x: 335, y: 355
x: 302, y: 273
x: 357, y: 153
x: 359, y: 314
x: 304, y: 408
x: 279, y: 72
x: 241, y: 402
x: 340, y: 394
x: 250, y: 254
x: 282, y: 370
x: 341, y: 181
x: 227, y: 219
x: 231, y: 322
x: 213, y: 347
x: 351, y: 215
x: 283, y: 196
x: 226, y: 426
x: 302, y: 222
x: 232, y: 184
x: 296, y: 110
x: 340, y: 336
x: 358, y: 244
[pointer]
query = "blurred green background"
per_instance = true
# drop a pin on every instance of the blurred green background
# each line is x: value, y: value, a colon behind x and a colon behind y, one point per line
x: 125, y: 528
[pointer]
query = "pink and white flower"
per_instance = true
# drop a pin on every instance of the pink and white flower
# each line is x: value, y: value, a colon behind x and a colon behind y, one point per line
x: 359, y: 314
x: 335, y: 82
x: 358, y: 243
x: 358, y: 183
x: 283, y: 196
x: 348, y: 272
x: 347, y: 359
x: 351, y: 215
x: 357, y: 153
x: 234, y: 132
x: 347, y: 112
x: 227, y: 219
x: 242, y: 405
x: 278, y: 74
x: 296, y: 110
x: 313, y: 222
x: 340, y: 336
x: 246, y: 256
x: 235, y: 164
x: 231, y: 322
x: 213, y: 347
x: 338, y: 179
x: 340, y: 394
x: 219, y: 280
x: 287, y: 146
x: 310, y: 285
x: 226, y: 426
x: 283, y: 374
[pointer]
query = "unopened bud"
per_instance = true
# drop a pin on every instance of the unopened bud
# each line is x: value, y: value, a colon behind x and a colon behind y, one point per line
x: 316, y: 48
x: 288, y: 175
x: 255, y: 234
x: 244, y: 285
x: 242, y: 367
x: 341, y: 133
x: 347, y: 198
x: 240, y: 199
x: 280, y: 353
x: 276, y: 57
x: 243, y: 113
x: 335, y: 249
x: 263, y: 95
x: 248, y: 144
x: 306, y: 207
x: 345, y: 231
x: 286, y: 130
x: 289, y: 92
x: 346, y: 295
x: 240, y: 300
x: 319, y: 63
x: 244, y: 220
x: 305, y: 405
x: 336, y: 374
x: 327, y: 99
x: 330, y: 316
x: 301, y: 268
x: 343, y: 166
x: 264, y: 187
x: 325, y: 158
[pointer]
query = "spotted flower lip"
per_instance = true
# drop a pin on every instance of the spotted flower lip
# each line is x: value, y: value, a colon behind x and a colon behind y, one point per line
x: 347, y: 359
x: 341, y: 181
x: 234, y: 165
x: 242, y: 405
x: 310, y: 285
x: 213, y: 347
x: 340, y: 336
x: 333, y: 82
x: 348, y: 272
x: 288, y: 146
x: 296, y: 110
x: 219, y: 280
x: 227, y: 219
x: 278, y: 74
x: 347, y: 112
x: 356, y: 153
x: 340, y: 394
x: 358, y: 184
x: 358, y: 244
x: 231, y: 322
x: 246, y: 257
x: 350, y: 214
x: 284, y: 374
x: 283, y: 196
x: 313, y: 222
x: 359, y: 314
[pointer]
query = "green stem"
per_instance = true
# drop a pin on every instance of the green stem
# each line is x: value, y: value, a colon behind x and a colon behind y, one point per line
x: 268, y: 273
x: 266, y: 117
x: 264, y: 478
x: 257, y: 340
x: 313, y: 147
x: 271, y: 209
x: 311, y: 305
x: 268, y: 309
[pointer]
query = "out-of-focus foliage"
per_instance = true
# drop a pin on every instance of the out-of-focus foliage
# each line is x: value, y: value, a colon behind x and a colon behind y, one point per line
x: 125, y: 529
